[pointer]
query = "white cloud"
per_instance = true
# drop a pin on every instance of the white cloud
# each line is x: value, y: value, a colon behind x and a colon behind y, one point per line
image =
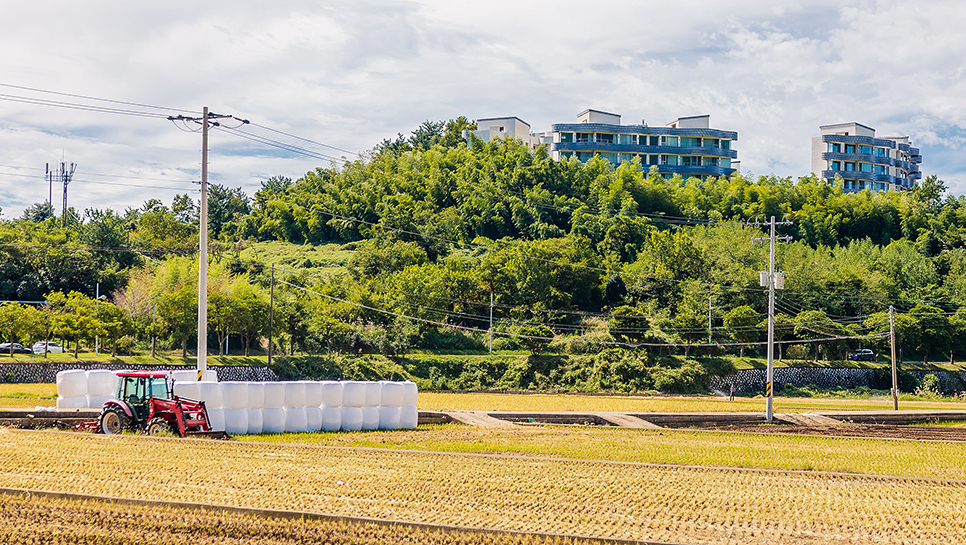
x: 352, y: 73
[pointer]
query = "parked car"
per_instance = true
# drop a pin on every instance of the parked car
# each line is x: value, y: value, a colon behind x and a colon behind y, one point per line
x: 52, y: 347
x: 862, y: 354
x: 17, y: 348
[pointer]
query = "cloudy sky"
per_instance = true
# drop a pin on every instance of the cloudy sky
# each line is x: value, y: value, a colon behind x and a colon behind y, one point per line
x: 349, y: 74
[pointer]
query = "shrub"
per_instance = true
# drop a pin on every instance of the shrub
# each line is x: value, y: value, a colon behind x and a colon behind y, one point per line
x: 127, y: 346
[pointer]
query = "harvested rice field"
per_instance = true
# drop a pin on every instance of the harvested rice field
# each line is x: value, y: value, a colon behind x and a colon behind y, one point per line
x: 35, y: 518
x: 446, y: 401
x: 591, y: 497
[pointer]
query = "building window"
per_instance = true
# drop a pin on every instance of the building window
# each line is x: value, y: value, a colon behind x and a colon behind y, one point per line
x: 881, y: 152
x: 627, y: 139
x: 726, y: 163
x: 567, y: 137
x: 671, y: 160
x: 691, y: 161
x: 653, y: 140
x: 711, y: 161
x: 850, y: 148
x: 834, y: 148
x: 849, y: 167
x: 712, y: 143
x: 865, y: 167
x: 726, y: 144
x: 652, y: 159
x: 881, y: 169
x: 835, y: 165
x: 865, y: 149
x: 669, y: 140
x: 604, y: 138
x: 583, y: 137
x: 688, y: 142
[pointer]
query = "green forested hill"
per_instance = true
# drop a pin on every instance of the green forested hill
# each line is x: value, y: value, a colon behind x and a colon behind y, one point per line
x: 405, y: 246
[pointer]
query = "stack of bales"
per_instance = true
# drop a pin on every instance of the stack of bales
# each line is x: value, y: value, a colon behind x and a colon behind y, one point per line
x: 80, y: 389
x: 305, y: 406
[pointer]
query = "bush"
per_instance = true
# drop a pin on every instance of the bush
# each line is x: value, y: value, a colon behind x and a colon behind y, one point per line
x: 128, y: 346
x: 797, y: 352
x: 929, y: 385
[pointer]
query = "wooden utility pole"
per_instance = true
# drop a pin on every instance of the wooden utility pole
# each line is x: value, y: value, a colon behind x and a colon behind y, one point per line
x: 271, y: 316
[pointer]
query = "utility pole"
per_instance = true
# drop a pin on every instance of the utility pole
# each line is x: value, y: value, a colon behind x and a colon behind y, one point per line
x: 892, y: 344
x: 205, y: 119
x: 50, y: 189
x: 710, y: 324
x: 271, y: 316
x: 491, y: 322
x: 65, y: 176
x: 772, y: 280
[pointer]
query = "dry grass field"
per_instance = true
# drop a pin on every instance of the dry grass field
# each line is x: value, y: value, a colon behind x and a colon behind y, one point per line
x: 685, y: 504
x: 443, y: 401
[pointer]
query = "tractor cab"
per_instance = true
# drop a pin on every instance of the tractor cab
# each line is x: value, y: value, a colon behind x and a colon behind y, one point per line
x: 137, y: 387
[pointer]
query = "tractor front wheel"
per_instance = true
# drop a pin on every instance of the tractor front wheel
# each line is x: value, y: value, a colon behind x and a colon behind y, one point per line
x: 160, y: 426
x: 113, y: 420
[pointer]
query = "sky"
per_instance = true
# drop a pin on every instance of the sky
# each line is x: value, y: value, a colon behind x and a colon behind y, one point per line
x: 350, y: 74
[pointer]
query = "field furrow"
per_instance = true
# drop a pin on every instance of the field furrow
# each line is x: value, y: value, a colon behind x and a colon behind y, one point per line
x: 679, y: 504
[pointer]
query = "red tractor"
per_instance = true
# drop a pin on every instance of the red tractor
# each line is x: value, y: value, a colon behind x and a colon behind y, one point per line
x: 144, y: 403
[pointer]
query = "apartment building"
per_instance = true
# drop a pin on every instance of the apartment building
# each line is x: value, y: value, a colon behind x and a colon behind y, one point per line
x: 852, y: 152
x: 687, y: 146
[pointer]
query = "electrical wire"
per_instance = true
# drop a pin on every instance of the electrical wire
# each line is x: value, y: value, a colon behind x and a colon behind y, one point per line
x: 92, y: 98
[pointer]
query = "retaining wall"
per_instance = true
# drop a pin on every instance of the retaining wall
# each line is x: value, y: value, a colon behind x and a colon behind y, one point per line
x: 753, y: 380
x: 47, y: 372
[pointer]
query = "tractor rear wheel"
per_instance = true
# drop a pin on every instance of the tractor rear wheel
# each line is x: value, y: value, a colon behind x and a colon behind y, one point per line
x: 160, y: 426
x: 113, y: 420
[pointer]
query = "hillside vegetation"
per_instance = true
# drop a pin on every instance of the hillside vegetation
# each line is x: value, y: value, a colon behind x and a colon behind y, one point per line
x: 403, y: 248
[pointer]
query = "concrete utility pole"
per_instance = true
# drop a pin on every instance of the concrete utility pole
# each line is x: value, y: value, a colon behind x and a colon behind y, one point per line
x: 491, y: 322
x: 771, y: 280
x: 271, y: 316
x: 892, y: 345
x: 204, y: 121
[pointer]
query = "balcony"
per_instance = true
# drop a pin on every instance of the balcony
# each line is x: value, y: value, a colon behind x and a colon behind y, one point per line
x: 636, y: 148
x: 867, y: 140
x: 858, y: 157
x: 641, y: 129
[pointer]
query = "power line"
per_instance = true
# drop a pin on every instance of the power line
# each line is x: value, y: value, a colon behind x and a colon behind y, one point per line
x: 91, y: 98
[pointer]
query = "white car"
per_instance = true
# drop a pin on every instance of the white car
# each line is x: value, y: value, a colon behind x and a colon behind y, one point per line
x: 52, y: 347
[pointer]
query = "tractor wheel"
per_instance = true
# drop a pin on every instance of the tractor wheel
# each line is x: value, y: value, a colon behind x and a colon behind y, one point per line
x: 113, y: 420
x: 159, y: 426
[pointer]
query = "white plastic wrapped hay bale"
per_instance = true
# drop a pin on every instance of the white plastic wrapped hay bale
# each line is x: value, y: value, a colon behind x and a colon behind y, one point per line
x: 72, y: 383
x: 331, y: 418
x: 188, y: 390
x: 352, y: 418
x: 373, y: 394
x: 273, y: 420
x: 294, y: 395
x: 274, y: 395
x: 331, y: 393
x: 353, y: 393
x: 389, y: 418
x: 97, y: 402
x: 410, y: 394
x: 313, y: 419
x: 392, y: 394
x: 100, y: 382
x: 256, y: 395
x: 295, y: 420
x: 236, y: 421
x: 313, y: 393
x: 210, y: 393
x: 370, y: 418
x: 408, y: 417
x: 255, y: 421
x: 216, y: 419
x: 73, y: 402
x: 234, y: 395
x: 184, y: 376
